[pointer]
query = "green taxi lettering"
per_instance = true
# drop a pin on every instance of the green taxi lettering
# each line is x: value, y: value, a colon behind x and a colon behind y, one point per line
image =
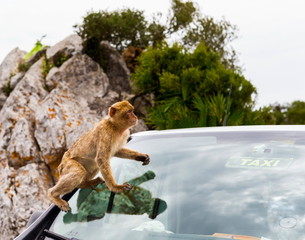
x: 268, y: 163
x: 245, y: 161
x: 255, y: 163
x: 276, y: 163
x: 259, y: 163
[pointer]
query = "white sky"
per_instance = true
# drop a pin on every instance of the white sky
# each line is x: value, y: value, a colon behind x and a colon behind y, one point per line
x: 271, y: 44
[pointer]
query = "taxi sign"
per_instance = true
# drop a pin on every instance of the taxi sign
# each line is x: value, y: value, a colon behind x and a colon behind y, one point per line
x: 254, y: 162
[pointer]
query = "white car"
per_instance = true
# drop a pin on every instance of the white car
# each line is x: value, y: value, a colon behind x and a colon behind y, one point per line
x: 202, y: 183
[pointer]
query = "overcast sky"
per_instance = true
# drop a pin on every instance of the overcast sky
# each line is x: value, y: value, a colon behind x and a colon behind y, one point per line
x: 271, y: 44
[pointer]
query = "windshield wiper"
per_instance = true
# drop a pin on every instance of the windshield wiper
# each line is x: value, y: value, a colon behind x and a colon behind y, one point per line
x: 56, y: 236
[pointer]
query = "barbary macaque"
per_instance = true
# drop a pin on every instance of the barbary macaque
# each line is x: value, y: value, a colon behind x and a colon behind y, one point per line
x: 92, y: 152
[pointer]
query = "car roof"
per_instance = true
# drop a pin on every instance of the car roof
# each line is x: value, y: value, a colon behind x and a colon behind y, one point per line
x: 222, y: 129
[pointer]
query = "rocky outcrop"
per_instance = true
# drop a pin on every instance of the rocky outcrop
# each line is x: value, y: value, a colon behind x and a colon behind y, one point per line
x: 22, y: 191
x: 70, y: 46
x: 115, y: 69
x: 81, y: 74
x: 8, y: 69
x: 61, y: 95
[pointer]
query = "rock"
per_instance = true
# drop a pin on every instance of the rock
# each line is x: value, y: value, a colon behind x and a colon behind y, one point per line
x: 141, y: 103
x: 22, y: 148
x: 15, y: 79
x: 101, y: 105
x: 10, y: 64
x: 20, y: 106
x: 68, y: 47
x: 22, y: 191
x: 116, y: 69
x: 8, y: 68
x: 81, y: 74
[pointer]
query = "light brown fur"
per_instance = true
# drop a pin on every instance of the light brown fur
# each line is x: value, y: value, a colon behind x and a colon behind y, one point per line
x: 92, y: 152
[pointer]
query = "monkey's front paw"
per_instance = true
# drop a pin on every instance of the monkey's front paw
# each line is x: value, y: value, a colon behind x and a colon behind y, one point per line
x: 144, y: 158
x: 146, y: 161
x: 121, y: 188
x: 65, y: 207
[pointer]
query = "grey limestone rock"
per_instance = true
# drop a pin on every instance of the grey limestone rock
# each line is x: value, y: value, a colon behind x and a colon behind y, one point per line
x: 69, y: 46
x: 116, y: 69
x: 8, y: 69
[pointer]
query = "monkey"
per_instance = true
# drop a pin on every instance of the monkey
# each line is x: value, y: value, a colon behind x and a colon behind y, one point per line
x: 130, y: 55
x: 92, y: 152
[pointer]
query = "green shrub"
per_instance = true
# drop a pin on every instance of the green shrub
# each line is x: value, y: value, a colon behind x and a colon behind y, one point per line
x: 6, y: 88
x: 192, y: 88
x: 24, y: 67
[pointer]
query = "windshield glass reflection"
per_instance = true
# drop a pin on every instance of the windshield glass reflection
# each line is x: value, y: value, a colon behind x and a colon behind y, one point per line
x: 195, y: 186
x: 94, y: 204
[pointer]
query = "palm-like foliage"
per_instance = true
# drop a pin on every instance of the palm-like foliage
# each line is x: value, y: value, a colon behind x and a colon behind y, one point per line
x: 175, y: 113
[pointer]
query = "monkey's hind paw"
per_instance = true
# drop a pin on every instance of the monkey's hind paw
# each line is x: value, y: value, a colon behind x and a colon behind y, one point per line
x: 121, y: 188
x: 127, y: 186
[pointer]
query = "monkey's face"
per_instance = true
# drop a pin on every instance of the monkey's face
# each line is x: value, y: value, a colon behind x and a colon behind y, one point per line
x: 125, y: 118
x: 122, y: 113
x: 131, y: 117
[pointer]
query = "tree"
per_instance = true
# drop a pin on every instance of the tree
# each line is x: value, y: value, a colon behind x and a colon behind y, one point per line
x: 181, y: 15
x: 216, y: 35
x: 296, y: 113
x: 120, y: 28
x: 128, y: 27
x: 293, y: 113
x: 262, y: 116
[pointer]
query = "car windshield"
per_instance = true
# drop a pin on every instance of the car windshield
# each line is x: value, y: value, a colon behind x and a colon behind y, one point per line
x: 212, y: 185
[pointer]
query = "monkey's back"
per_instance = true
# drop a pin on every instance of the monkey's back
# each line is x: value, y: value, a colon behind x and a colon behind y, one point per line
x: 85, y: 147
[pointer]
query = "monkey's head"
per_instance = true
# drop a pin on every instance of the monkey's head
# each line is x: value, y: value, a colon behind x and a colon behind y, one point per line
x: 122, y: 113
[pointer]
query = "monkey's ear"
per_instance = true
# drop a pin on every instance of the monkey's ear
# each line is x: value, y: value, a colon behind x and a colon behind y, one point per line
x: 112, y: 111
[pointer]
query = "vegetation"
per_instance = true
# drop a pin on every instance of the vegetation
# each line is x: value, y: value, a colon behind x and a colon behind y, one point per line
x: 293, y: 113
x: 38, y: 47
x: 195, y: 80
x: 48, y: 64
x: 128, y: 27
x: 24, y: 66
x: 120, y: 28
x: 192, y: 89
x: 6, y: 88
x: 56, y: 61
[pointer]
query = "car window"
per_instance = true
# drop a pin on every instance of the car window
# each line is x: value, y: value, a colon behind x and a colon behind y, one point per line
x: 198, y: 186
